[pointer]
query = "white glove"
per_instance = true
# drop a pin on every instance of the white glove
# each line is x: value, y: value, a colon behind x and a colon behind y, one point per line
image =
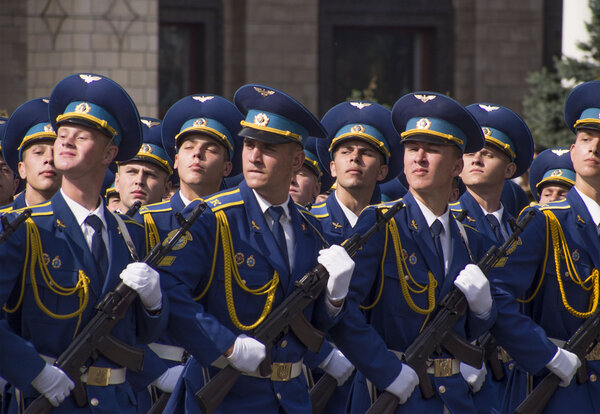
x: 338, y: 366
x: 146, y: 282
x: 474, y: 285
x: 167, y: 381
x: 564, y: 364
x: 247, y: 353
x: 475, y: 377
x: 340, y: 267
x: 404, y: 384
x: 53, y: 384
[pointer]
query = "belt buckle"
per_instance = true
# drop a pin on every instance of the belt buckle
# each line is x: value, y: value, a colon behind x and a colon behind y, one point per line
x: 442, y: 367
x: 282, y: 371
x: 594, y: 354
x: 98, y: 376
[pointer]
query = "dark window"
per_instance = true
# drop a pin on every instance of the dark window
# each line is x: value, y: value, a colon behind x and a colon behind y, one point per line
x: 190, y: 49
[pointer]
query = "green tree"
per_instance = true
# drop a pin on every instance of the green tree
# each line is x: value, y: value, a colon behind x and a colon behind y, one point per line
x: 544, y: 105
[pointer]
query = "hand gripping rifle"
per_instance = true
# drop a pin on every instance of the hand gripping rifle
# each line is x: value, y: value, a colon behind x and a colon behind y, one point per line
x: 12, y: 226
x: 439, y: 333
x: 95, y: 338
x: 581, y: 342
x: 287, y: 316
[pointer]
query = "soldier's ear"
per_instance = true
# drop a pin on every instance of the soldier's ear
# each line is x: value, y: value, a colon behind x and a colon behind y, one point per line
x: 510, y: 170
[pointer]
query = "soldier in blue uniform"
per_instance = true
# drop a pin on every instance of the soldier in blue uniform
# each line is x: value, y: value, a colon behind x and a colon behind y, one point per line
x: 199, y: 133
x: 406, y: 269
x: 551, y: 175
x: 145, y: 177
x: 62, y: 262
x: 8, y: 181
x: 29, y: 151
x: 507, y: 154
x: 307, y: 183
x: 364, y: 149
x: 554, y: 273
x: 248, y: 249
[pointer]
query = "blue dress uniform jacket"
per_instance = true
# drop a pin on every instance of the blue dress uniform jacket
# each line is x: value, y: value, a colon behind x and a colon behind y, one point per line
x: 525, y: 335
x: 205, y: 328
x: 34, y: 331
x: 475, y: 217
x: 391, y: 324
x: 336, y: 227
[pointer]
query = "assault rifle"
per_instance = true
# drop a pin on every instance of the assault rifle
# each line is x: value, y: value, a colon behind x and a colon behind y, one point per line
x: 288, y: 316
x: 135, y: 207
x: 581, y: 342
x: 12, y: 226
x: 439, y: 333
x: 95, y: 337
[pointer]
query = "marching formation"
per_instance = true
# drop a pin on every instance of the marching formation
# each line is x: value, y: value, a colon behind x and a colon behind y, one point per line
x: 245, y: 256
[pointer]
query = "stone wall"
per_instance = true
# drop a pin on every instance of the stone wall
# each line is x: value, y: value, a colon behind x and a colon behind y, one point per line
x: 13, y: 54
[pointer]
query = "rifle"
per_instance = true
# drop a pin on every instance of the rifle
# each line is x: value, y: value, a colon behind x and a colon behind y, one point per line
x: 439, y: 333
x: 580, y: 343
x: 288, y: 316
x: 134, y: 209
x: 95, y: 337
x: 321, y: 392
x: 12, y: 226
x: 490, y: 353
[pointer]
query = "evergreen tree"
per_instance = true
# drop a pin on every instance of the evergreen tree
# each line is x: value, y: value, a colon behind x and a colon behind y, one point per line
x: 544, y: 105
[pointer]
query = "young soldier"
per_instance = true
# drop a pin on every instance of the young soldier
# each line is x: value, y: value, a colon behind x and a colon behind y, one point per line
x: 79, y: 247
x: 551, y: 175
x: 554, y: 273
x: 266, y: 243
x: 145, y: 177
x: 307, y: 183
x: 29, y: 151
x: 403, y: 271
x: 507, y: 154
x: 8, y: 180
x: 364, y: 149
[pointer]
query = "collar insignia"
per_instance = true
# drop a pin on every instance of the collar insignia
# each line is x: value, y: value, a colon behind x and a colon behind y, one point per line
x: 414, y: 225
x: 255, y: 226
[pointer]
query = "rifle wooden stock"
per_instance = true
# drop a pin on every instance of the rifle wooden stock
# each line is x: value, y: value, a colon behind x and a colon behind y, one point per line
x: 95, y: 337
x: 321, y: 392
x: 159, y: 405
x: 288, y: 316
x: 490, y: 351
x: 10, y: 227
x: 439, y: 333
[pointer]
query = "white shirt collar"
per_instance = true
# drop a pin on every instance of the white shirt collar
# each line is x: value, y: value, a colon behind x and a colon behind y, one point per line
x: 592, y: 207
x: 350, y: 216
x: 430, y: 217
x: 184, y: 199
x: 81, y: 213
x: 264, y: 204
x: 498, y: 213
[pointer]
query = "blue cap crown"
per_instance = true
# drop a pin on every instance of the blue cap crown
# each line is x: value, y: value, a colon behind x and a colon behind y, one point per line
x: 582, y: 107
x: 551, y: 166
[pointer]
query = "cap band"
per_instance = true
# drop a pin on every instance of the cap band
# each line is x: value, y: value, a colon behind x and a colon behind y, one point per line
x: 207, y: 125
x: 436, y: 127
x: 95, y: 115
x: 500, y: 140
x: 275, y: 124
x: 37, y: 132
x: 559, y: 175
x: 364, y: 132
x: 311, y: 162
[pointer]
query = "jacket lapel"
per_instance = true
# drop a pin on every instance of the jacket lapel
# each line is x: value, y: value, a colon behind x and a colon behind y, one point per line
x: 261, y: 236
x: 460, y: 257
x: 587, y: 232
x: 66, y: 224
x: 339, y: 223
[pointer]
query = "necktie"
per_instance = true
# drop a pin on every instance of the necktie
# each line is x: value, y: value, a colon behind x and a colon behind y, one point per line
x: 98, y: 247
x: 276, y: 212
x: 495, y: 225
x: 436, y: 229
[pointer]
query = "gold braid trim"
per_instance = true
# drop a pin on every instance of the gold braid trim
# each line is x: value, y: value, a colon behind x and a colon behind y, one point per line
x: 152, y: 235
x: 559, y: 245
x: 34, y: 258
x: 231, y: 267
x: 402, y: 267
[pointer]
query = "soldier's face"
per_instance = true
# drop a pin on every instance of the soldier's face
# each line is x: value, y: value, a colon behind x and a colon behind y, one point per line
x: 552, y: 193
x: 268, y: 168
x: 431, y: 167
x: 8, y: 182
x: 113, y: 203
x: 38, y: 168
x: 486, y: 167
x: 585, y: 154
x: 80, y: 151
x: 141, y: 181
x: 305, y: 186
x: 201, y: 160
x: 357, y: 164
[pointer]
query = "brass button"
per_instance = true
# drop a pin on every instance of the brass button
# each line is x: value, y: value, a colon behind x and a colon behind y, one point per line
x: 284, y: 343
x: 244, y: 282
x: 442, y: 389
x: 278, y: 396
x: 511, y: 366
x: 593, y: 378
x: 94, y: 402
